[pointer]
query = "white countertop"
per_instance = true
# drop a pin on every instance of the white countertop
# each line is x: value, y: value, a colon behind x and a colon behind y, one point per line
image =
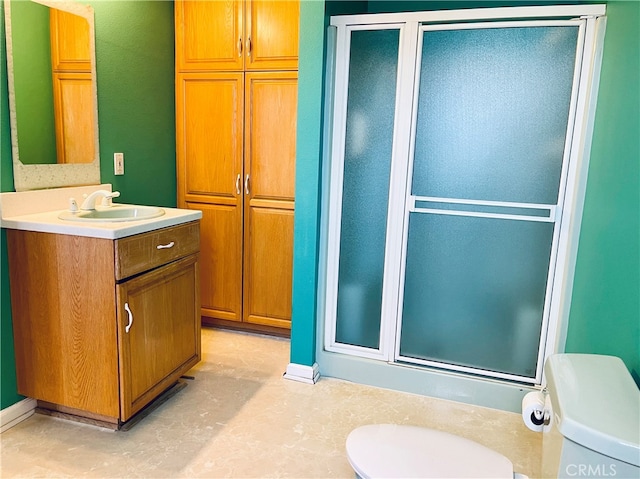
x: 48, y: 222
x: 39, y: 210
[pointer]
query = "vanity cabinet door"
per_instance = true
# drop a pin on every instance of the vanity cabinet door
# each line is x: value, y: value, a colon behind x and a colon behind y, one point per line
x: 158, y: 331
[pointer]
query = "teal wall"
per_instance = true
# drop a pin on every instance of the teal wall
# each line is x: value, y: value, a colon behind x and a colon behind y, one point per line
x: 313, y: 22
x: 308, y: 164
x: 136, y: 114
x: 605, y: 313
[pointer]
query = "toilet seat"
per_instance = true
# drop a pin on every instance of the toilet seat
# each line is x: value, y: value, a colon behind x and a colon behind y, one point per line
x: 393, y: 451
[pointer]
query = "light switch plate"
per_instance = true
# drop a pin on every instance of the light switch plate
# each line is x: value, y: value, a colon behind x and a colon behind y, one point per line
x: 118, y: 163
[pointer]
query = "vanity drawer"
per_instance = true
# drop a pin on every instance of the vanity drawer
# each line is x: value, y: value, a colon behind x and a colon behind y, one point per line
x: 139, y: 253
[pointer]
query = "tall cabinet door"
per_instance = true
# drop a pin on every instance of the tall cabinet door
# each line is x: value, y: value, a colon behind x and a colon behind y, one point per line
x: 209, y: 109
x: 75, y: 141
x: 211, y: 37
x: 269, y: 196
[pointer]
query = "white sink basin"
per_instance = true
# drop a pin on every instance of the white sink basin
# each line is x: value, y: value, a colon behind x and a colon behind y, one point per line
x: 113, y: 213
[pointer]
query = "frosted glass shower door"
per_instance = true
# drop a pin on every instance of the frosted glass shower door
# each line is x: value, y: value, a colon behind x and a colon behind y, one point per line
x: 484, y: 193
x: 362, y: 185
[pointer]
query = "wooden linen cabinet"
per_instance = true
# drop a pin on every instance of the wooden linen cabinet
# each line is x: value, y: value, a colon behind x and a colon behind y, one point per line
x: 236, y: 128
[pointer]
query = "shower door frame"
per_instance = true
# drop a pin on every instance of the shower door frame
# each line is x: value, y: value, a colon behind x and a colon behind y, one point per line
x: 573, y: 179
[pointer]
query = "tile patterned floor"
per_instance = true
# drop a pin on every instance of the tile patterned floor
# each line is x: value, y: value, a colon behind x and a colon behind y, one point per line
x: 240, y: 419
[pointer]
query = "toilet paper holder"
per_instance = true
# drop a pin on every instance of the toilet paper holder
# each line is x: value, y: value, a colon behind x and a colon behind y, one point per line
x: 540, y: 418
x: 536, y: 410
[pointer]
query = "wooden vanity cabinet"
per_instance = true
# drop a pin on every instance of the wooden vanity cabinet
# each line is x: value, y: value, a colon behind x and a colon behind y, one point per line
x: 102, y: 327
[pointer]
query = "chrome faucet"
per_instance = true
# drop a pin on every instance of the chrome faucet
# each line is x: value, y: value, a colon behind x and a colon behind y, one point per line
x: 90, y: 201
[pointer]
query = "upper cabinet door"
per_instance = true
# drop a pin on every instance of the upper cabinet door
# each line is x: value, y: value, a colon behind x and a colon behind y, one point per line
x: 209, y: 35
x: 69, y: 42
x: 209, y: 135
x: 271, y: 31
x: 235, y: 35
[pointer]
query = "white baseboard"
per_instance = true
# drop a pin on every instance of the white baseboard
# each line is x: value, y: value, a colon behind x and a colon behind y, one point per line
x: 303, y: 374
x: 12, y: 415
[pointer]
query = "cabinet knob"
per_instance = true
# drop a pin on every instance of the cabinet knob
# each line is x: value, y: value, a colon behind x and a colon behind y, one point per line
x: 130, y: 315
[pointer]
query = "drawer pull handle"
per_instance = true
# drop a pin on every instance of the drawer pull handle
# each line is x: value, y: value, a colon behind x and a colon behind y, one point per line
x: 246, y: 185
x: 165, y: 246
x: 240, y: 46
x: 238, y: 184
x: 128, y: 326
x: 249, y: 46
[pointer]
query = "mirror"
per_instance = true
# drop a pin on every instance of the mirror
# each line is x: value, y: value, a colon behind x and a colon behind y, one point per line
x: 52, y: 93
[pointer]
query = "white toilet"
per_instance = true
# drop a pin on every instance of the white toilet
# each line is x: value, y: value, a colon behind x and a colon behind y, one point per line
x: 394, y: 451
x: 595, y: 420
x: 594, y: 429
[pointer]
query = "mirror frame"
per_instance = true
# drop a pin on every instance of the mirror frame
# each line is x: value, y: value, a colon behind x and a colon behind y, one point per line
x: 35, y: 176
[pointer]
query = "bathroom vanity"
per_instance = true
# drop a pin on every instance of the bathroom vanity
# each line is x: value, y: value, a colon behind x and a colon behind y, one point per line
x: 105, y: 300
x: 106, y: 316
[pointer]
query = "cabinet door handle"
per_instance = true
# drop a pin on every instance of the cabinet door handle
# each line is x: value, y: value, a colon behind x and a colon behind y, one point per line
x: 238, y: 184
x: 240, y: 46
x: 249, y: 46
x: 246, y: 185
x: 128, y: 326
x: 165, y: 246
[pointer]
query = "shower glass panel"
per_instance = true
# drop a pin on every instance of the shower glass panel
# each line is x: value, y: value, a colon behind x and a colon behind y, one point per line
x: 492, y: 113
x: 373, y: 66
x: 493, y: 109
x: 475, y: 291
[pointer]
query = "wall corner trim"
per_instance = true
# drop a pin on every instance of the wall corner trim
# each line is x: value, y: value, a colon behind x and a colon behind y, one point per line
x: 16, y: 413
x: 303, y: 374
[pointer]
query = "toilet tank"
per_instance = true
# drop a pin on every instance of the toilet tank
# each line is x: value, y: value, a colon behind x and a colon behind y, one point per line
x: 595, y: 418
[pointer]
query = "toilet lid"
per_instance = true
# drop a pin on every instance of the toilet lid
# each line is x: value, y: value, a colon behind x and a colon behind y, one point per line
x: 390, y: 450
